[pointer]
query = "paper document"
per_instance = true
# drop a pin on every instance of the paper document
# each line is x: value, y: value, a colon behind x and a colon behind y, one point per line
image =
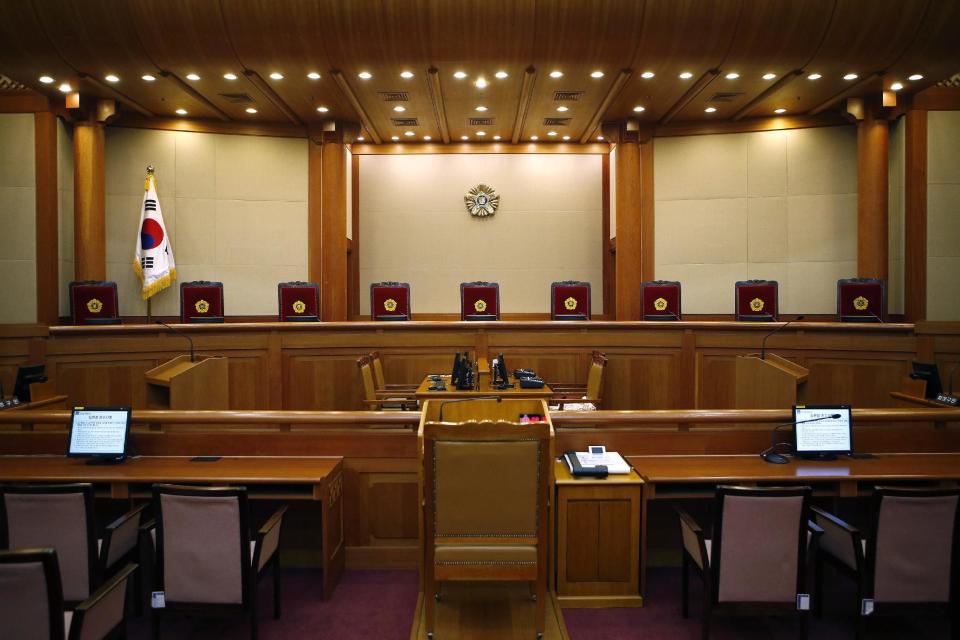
x: 612, y: 460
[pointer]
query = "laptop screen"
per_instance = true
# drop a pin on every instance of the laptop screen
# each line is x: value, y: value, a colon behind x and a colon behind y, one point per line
x: 822, y: 429
x: 99, y: 431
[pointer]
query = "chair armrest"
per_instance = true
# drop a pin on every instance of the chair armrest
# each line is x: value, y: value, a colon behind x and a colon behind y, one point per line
x: 268, y: 539
x: 693, y: 539
x: 404, y: 404
x: 398, y: 386
x: 120, y: 536
x: 838, y: 539
x: 105, y: 607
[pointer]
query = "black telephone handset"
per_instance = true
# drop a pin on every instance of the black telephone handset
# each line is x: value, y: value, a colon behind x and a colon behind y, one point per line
x: 531, y: 383
x: 524, y: 373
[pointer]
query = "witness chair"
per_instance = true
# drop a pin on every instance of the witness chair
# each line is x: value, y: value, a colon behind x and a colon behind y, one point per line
x: 861, y: 299
x: 390, y: 301
x: 912, y: 560
x: 61, y: 516
x: 31, y: 600
x: 660, y: 300
x: 205, y: 559
x: 380, y: 382
x: 385, y: 400
x: 485, y: 509
x: 586, y: 397
x: 756, y: 300
x: 93, y: 302
x: 570, y: 300
x: 479, y: 301
x: 299, y: 301
x: 201, y: 301
x: 757, y: 557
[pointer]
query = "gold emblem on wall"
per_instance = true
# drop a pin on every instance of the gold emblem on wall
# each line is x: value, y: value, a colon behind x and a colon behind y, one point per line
x: 860, y: 303
x: 480, y: 306
x: 390, y: 304
x: 756, y: 304
x: 482, y: 201
x: 299, y: 306
x: 570, y: 303
x: 202, y: 306
x: 94, y: 305
x: 660, y: 304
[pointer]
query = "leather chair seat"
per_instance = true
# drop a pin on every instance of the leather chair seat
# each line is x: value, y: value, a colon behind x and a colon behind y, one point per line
x: 485, y: 554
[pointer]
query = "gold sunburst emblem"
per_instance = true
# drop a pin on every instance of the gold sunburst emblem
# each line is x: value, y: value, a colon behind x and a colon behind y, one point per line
x: 660, y: 304
x: 482, y: 201
x: 860, y: 303
x: 202, y: 306
x: 570, y: 303
x: 756, y: 304
x: 480, y: 306
x: 299, y: 306
x: 94, y: 305
x: 390, y: 304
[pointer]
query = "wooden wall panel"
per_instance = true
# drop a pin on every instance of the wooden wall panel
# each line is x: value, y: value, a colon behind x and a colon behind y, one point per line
x: 87, y: 381
x: 646, y: 380
x: 861, y: 382
x: 315, y: 381
x: 380, y: 512
x: 248, y: 381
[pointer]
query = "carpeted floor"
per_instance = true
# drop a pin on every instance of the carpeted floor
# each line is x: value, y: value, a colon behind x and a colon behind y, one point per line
x: 380, y: 605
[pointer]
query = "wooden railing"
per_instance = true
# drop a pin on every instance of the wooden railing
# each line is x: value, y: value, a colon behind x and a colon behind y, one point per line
x: 736, y: 416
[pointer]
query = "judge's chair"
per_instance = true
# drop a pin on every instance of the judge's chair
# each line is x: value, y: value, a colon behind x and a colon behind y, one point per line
x: 757, y: 556
x: 390, y: 301
x: 93, y: 302
x: 570, y: 300
x: 582, y: 397
x: 299, y: 301
x: 32, y: 607
x: 861, y: 299
x: 201, y: 301
x: 660, y: 300
x: 907, y: 563
x: 205, y: 557
x: 479, y: 301
x: 485, y: 508
x: 756, y: 300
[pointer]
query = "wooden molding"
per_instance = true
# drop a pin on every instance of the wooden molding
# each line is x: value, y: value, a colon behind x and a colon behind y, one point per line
x: 354, y: 289
x: 606, y: 257
x: 196, y: 95
x: 628, y: 263
x: 769, y: 91
x: 647, y: 218
x: 119, y: 96
x: 272, y: 96
x: 480, y: 147
x: 333, y: 232
x: 314, y: 210
x: 197, y: 125
x: 523, y: 107
x: 614, y: 91
x: 938, y: 99
x: 47, y: 225
x: 853, y: 90
x: 702, y: 83
x: 872, y: 197
x: 23, y: 102
x: 89, y: 202
x: 436, y: 98
x: 355, y: 103
x: 748, y: 125
x: 915, y: 217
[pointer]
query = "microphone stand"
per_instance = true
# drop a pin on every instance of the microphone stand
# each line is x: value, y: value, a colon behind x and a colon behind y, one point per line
x: 769, y: 455
x: 763, y: 343
x: 182, y: 334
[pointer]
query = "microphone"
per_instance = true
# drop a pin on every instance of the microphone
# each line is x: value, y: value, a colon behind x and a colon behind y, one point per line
x: 872, y: 314
x: 763, y: 343
x: 778, y: 458
x: 675, y: 316
x: 445, y: 403
x: 180, y: 333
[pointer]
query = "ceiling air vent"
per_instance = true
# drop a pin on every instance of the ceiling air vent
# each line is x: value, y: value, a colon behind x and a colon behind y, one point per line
x: 394, y: 96
x: 724, y: 97
x: 9, y: 84
x: 405, y: 122
x: 482, y: 122
x: 556, y: 122
x: 567, y: 96
x: 237, y: 98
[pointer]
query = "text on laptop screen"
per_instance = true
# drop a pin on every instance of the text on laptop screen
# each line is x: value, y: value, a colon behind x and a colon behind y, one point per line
x: 95, y: 432
x: 822, y: 429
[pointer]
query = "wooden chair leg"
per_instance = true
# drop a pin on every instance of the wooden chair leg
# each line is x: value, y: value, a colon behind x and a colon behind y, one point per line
x: 429, y: 602
x: 276, y: 587
x: 685, y: 587
x: 541, y: 611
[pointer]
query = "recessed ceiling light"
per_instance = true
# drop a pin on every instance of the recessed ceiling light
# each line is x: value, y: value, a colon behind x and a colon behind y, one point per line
x: 322, y: 109
x: 710, y: 109
x: 780, y: 110
x: 399, y: 108
x: 394, y: 138
x: 360, y: 138
x: 551, y: 133
x: 65, y: 87
x: 915, y: 77
x: 192, y: 77
x: 313, y: 75
x: 459, y: 75
x: 364, y: 75
x: 496, y: 137
x: 596, y: 74
x: 250, y: 110
x: 647, y: 74
x: 481, y: 83
x: 408, y: 133
x: 406, y: 75
x: 181, y: 112
x: 481, y: 133
x: 599, y: 137
x: 148, y: 77
x: 814, y: 76
x: 427, y: 138
x: 851, y: 76
x: 556, y: 74
x: 566, y: 137
x: 733, y: 75
x: 276, y: 75
x: 562, y: 109
x: 111, y: 78
x: 501, y: 74
x: 480, y: 108
x: 229, y: 76
x: 686, y: 75
x: 46, y: 79
x: 639, y: 109
x: 896, y: 86
x: 534, y: 138
x: 769, y: 76
x: 464, y: 137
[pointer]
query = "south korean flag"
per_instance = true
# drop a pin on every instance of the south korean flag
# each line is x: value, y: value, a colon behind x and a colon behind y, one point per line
x: 153, y: 260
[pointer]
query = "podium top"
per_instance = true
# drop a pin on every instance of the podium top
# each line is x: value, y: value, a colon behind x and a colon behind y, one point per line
x: 163, y: 374
x: 782, y: 364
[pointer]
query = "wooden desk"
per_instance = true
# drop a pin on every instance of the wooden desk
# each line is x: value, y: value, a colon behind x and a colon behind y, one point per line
x: 485, y: 390
x: 267, y: 478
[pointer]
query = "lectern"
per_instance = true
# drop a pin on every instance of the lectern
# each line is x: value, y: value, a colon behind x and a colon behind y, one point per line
x: 771, y: 382
x: 181, y: 384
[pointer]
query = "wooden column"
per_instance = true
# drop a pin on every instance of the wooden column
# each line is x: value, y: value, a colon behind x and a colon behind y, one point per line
x: 873, y: 136
x: 314, y: 227
x: 647, y: 246
x: 915, y: 217
x: 48, y: 227
x: 89, y: 209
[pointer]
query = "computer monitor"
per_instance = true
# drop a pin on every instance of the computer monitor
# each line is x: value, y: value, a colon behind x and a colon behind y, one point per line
x: 503, y: 374
x: 928, y: 371
x: 27, y: 375
x: 99, y: 433
x: 822, y: 431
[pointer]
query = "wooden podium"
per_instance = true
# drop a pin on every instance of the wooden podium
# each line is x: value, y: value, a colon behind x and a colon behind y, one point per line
x: 771, y: 383
x: 181, y: 384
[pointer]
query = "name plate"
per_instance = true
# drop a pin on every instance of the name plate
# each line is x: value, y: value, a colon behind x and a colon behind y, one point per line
x: 951, y: 401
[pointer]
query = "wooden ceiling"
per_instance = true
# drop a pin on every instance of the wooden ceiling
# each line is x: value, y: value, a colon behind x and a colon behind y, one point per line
x: 84, y: 41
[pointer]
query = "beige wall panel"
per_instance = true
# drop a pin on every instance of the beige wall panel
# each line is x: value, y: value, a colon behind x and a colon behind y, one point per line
x: 260, y: 168
x: 813, y: 286
x: 252, y: 289
x: 943, y: 215
x: 943, y: 151
x: 896, y: 207
x: 707, y: 288
x: 129, y: 291
x: 943, y: 285
x: 196, y: 232
x: 700, y: 167
x: 196, y: 158
x: 18, y: 222
x: 18, y: 282
x: 822, y: 160
x: 943, y: 220
x: 767, y: 230
x: 702, y: 231
x: 17, y: 167
x: 766, y: 163
x: 822, y: 227
x: 127, y: 153
x: 779, y: 271
x: 261, y: 233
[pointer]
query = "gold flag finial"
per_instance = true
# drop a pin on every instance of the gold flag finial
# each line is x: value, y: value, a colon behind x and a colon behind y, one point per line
x: 150, y: 171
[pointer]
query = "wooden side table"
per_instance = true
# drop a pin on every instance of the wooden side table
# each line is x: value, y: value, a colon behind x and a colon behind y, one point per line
x: 597, y: 539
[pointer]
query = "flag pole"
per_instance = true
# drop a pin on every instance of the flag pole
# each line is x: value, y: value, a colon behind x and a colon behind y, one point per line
x: 150, y: 171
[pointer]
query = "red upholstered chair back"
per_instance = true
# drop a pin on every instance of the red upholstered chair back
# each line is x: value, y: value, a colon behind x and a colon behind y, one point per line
x: 570, y: 300
x: 201, y: 301
x: 861, y: 299
x: 479, y: 301
x: 93, y: 302
x: 756, y: 300
x: 660, y: 300
x: 390, y: 301
x: 299, y: 301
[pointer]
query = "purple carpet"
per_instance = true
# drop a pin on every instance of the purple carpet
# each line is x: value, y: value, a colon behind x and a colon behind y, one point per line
x: 380, y: 605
